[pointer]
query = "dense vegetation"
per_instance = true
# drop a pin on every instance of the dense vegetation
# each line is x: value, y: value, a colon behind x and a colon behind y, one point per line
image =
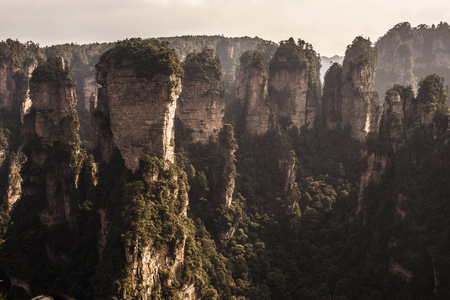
x: 203, y: 65
x: 52, y: 70
x: 361, y: 53
x: 282, y: 237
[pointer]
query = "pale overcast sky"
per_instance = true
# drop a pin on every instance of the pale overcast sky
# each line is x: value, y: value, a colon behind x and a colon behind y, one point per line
x: 329, y: 25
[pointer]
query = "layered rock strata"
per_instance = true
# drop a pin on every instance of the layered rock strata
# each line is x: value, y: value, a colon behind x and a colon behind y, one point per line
x: 201, y: 106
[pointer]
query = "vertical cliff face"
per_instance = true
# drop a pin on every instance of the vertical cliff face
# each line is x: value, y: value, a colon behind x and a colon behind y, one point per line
x: 352, y: 101
x: 201, y: 106
x: 142, y: 219
x: 294, y: 84
x: 332, y: 97
x: 53, y: 123
x: 409, y: 155
x: 47, y: 193
x: 137, y: 102
x: 402, y: 112
x: 407, y: 54
x: 252, y: 91
x: 225, y: 170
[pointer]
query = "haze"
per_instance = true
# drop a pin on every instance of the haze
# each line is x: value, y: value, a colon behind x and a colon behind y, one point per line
x: 329, y: 25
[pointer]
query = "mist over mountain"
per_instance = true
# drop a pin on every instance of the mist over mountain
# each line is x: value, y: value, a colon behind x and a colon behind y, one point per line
x: 207, y: 167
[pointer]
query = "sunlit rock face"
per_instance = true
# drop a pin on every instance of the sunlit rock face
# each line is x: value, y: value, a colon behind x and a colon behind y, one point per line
x: 136, y: 103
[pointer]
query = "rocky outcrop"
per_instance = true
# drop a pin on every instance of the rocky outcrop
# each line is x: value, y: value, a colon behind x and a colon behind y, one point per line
x: 89, y: 87
x: 14, y: 87
x: 252, y: 92
x: 225, y: 170
x: 44, y: 199
x: 294, y: 84
x: 349, y: 97
x: 133, y: 118
x: 136, y: 103
x: 406, y: 54
x: 50, y: 137
x: 401, y: 112
x: 201, y: 106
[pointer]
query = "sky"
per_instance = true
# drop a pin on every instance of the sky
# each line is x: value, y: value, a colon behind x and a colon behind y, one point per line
x: 329, y: 25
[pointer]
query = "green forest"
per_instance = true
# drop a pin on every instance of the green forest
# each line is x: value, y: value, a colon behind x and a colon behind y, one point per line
x: 300, y: 225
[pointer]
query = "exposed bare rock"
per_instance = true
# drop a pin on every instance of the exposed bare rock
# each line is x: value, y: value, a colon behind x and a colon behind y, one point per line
x: 14, y: 191
x: 89, y: 87
x: 150, y: 266
x: 136, y: 103
x: 407, y: 54
x: 14, y: 91
x: 352, y: 101
x: 225, y: 170
x: 252, y: 91
x: 53, y: 122
x: 294, y: 83
x: 201, y: 106
x: 396, y: 268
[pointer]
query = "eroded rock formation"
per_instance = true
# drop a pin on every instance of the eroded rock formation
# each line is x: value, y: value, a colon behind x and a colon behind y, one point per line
x: 407, y: 54
x: 51, y: 140
x: 136, y: 103
x: 349, y: 97
x: 294, y: 83
x: 252, y: 91
x: 201, y: 106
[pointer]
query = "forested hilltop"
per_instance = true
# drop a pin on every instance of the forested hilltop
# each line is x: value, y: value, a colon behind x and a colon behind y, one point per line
x: 189, y: 185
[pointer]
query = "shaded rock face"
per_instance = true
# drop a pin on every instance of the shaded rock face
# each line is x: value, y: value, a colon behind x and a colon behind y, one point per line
x: 54, y: 112
x: 134, y: 113
x: 14, y: 87
x: 294, y: 84
x: 401, y: 112
x: 407, y: 54
x: 201, y: 106
x: 53, y: 121
x: 225, y: 170
x: 146, y: 266
x: 252, y: 91
x: 89, y: 87
x: 351, y: 100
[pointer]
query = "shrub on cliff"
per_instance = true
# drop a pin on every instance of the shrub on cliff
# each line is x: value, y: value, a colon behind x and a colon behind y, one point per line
x: 146, y: 57
x: 203, y: 65
x: 291, y: 56
x: 53, y: 70
x: 361, y: 53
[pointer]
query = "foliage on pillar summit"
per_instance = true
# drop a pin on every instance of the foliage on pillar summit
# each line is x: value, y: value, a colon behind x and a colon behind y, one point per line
x: 146, y: 57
